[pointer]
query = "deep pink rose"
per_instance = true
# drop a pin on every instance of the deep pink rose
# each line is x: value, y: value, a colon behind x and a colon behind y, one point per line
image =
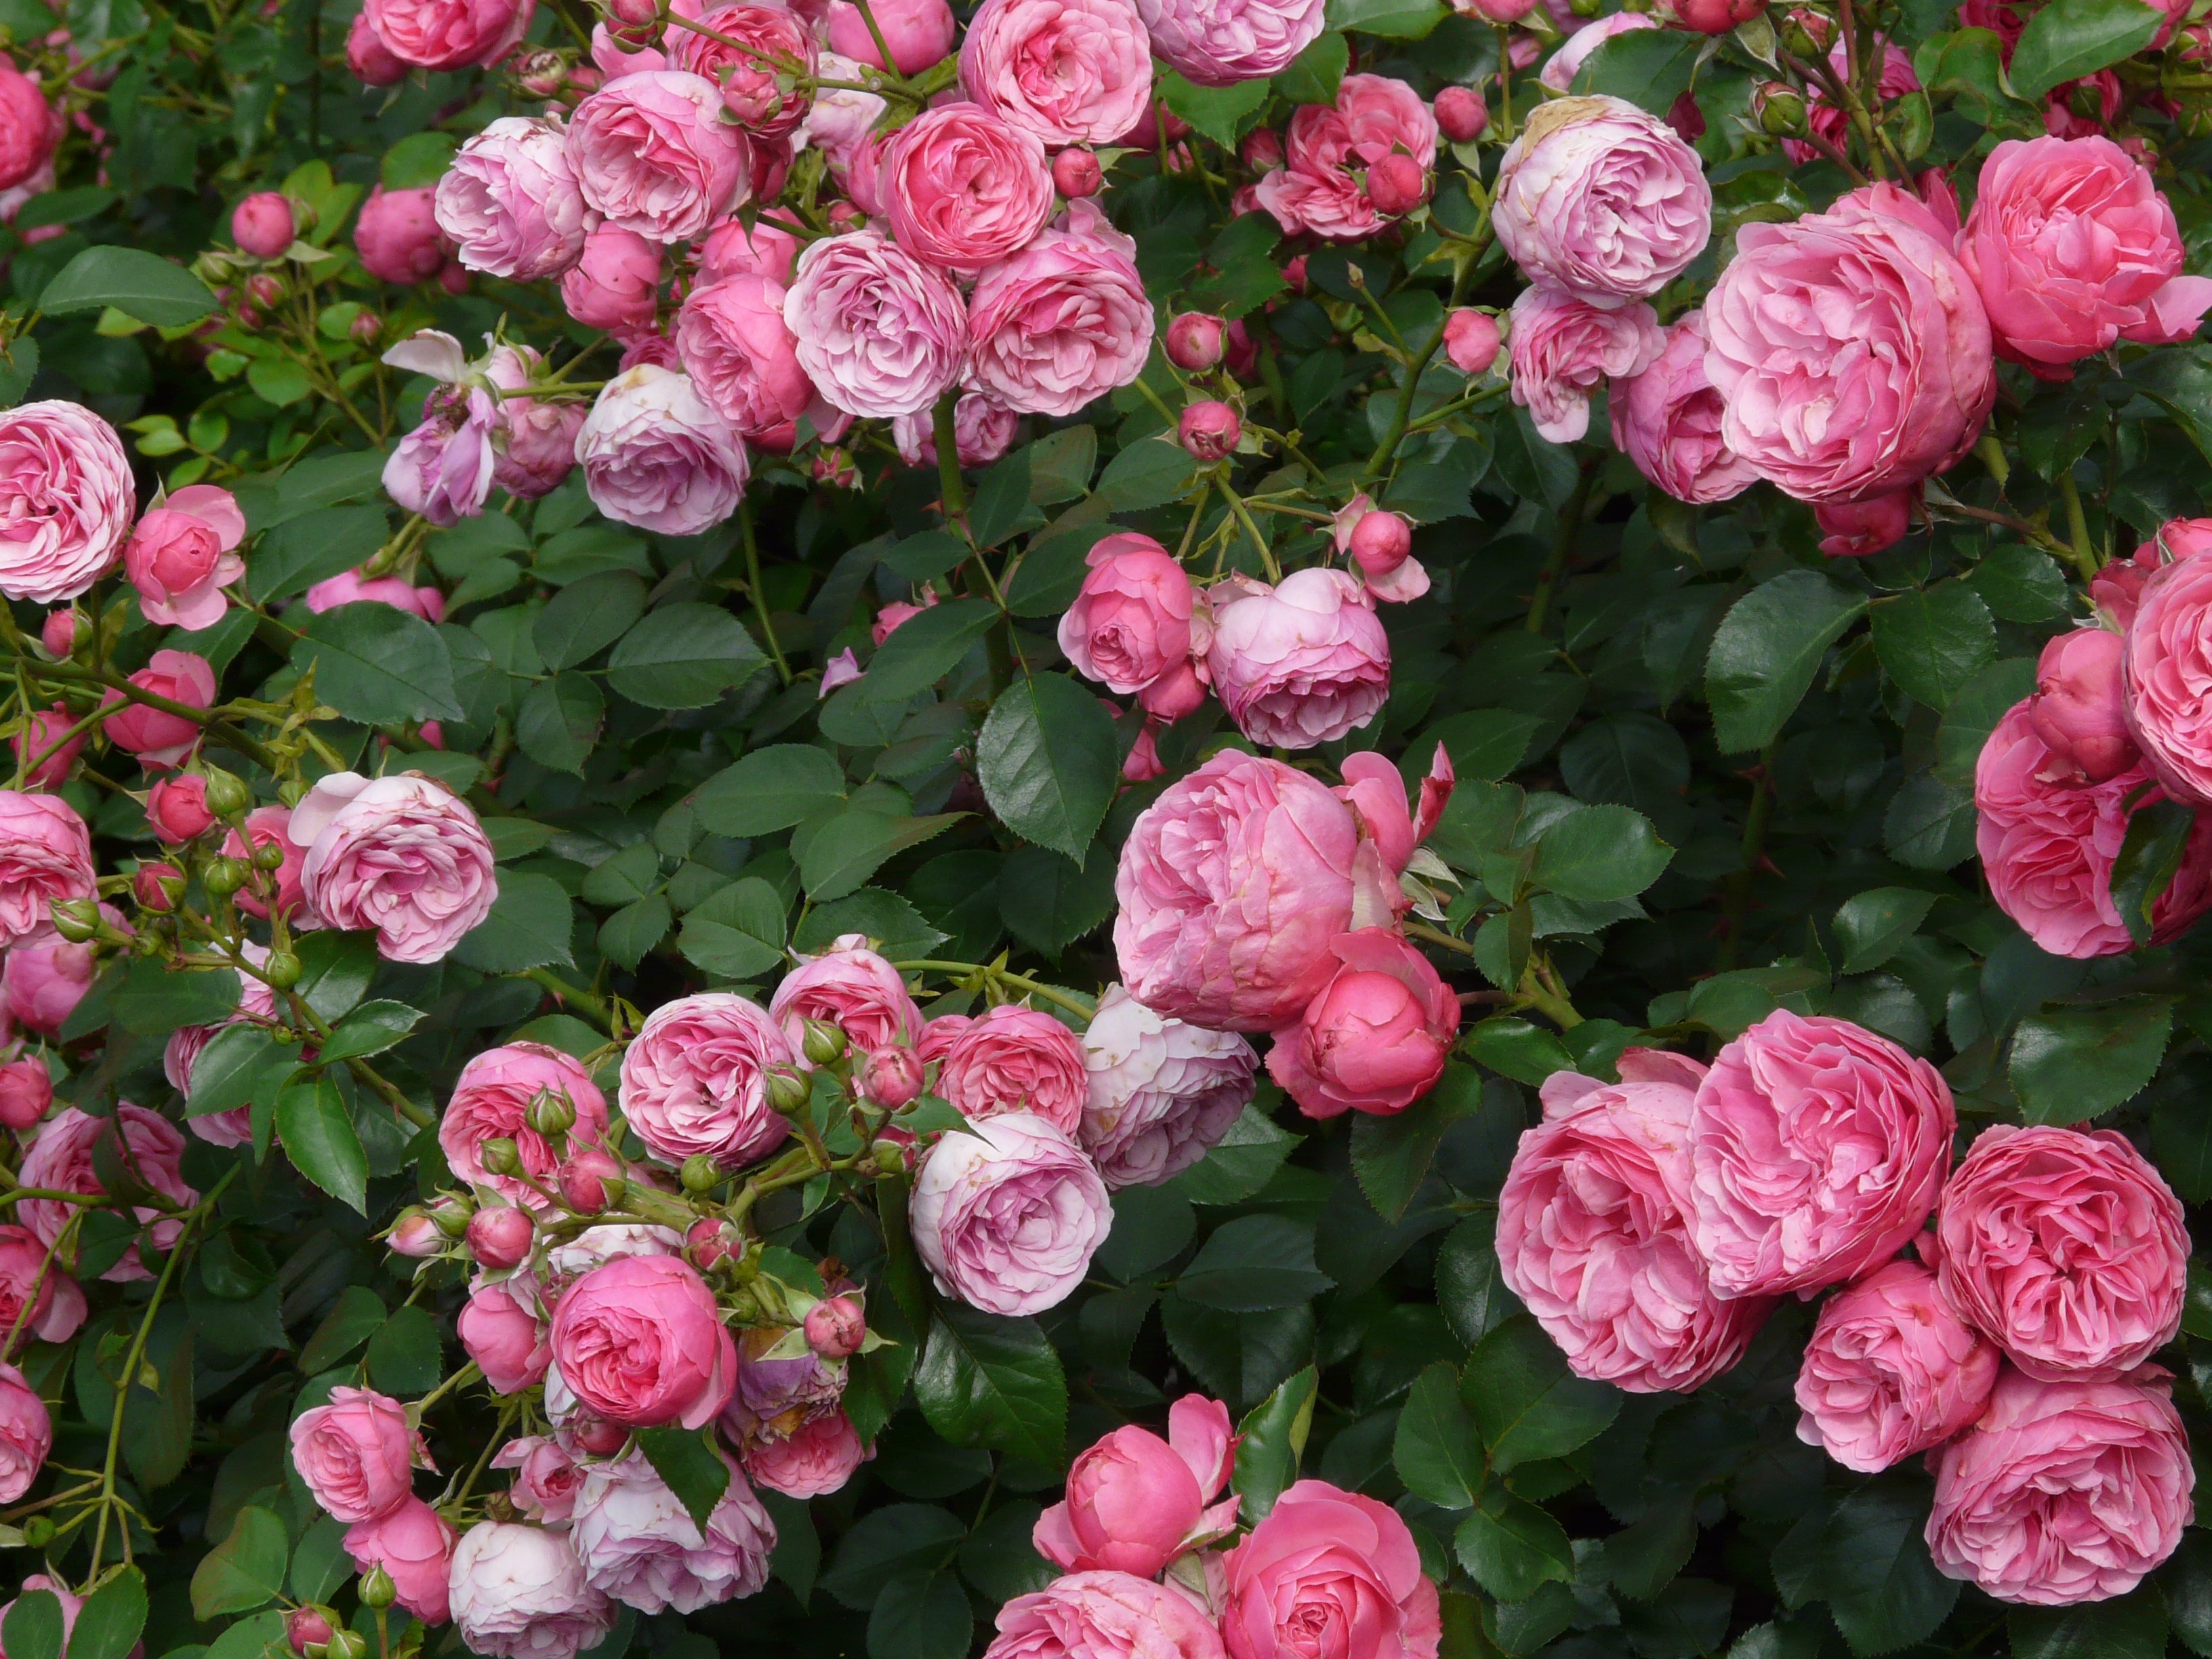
x: 652, y: 152
x: 1858, y: 530
x: 1594, y: 1232
x: 2080, y: 707
x: 1328, y: 1575
x: 1375, y: 1037
x: 878, y: 331
x: 814, y: 1460
x: 61, y: 1160
x: 963, y: 188
x: 1331, y: 148
x: 2166, y: 668
x: 2073, y: 249
x: 1129, y: 627
x: 655, y: 454
x: 851, y: 987
x: 640, y: 1342
x: 1561, y: 349
x: 1818, y: 1148
x: 46, y: 855
x: 66, y: 500
x: 184, y: 553
x: 2064, y: 1491
x: 44, y: 977
x: 1218, y: 43
x: 414, y: 1544
x: 1105, y: 1615
x: 29, y: 127
x: 919, y: 33
x: 1161, y: 1093
x: 2048, y: 848
x: 1471, y: 340
x: 520, y: 1593
x: 449, y: 35
x: 511, y: 202
x: 1070, y: 71
x: 1667, y: 421
x: 356, y: 1455
x: 733, y: 248
x: 983, y: 430
x: 503, y: 1334
x: 1061, y: 322
x: 491, y: 1101
x: 1005, y: 1215
x: 369, y: 58
x: 695, y: 1080
x: 741, y: 357
x: 614, y: 283
x: 2117, y: 589
x: 261, y: 225
x: 2066, y: 1248
x: 1891, y: 1371
x: 1011, y: 1059
x: 639, y: 1544
x: 776, y: 45
x: 1135, y: 1502
x: 36, y: 1296
x: 269, y: 826
x: 26, y: 1435
x: 398, y: 237
x: 46, y: 745
x: 351, y: 587
x: 1302, y: 662
x: 402, y: 855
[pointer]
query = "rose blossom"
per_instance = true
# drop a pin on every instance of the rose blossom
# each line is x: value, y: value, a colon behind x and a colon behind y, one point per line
x: 652, y: 153
x: 443, y: 468
x: 1130, y: 626
x: 1105, y: 1615
x: 878, y: 331
x: 2116, y: 589
x: 2073, y: 248
x: 1135, y: 1502
x: 2166, y: 675
x: 733, y: 248
x: 815, y: 1459
x: 1667, y: 421
x: 29, y: 127
x: 2066, y: 1248
x: 368, y: 57
x: 1375, y: 1037
x: 776, y: 1398
x: 2079, y: 710
x: 655, y: 455
x: 351, y: 587
x: 520, y: 1593
x: 2048, y: 848
x: 1891, y: 1371
x: 1061, y: 322
x: 546, y: 1477
x: 773, y: 43
x: 2065, y: 1492
x: 639, y: 1544
x: 511, y: 202
x: 491, y: 1101
x: 356, y: 1455
x: 1159, y: 1092
x: 1328, y: 1575
x: 1317, y: 189
x: 1561, y: 347
x: 397, y: 235
x: 61, y: 1159
x: 1006, y: 1215
x: 740, y: 356
x: 46, y: 855
x: 840, y: 125
x: 184, y: 553
x: 449, y: 35
x: 983, y: 430
x: 1011, y: 1059
x: 1070, y: 71
x: 34, y: 1296
x: 695, y: 1080
x: 918, y: 32
x: 1218, y: 43
x: 639, y: 1342
x: 614, y: 283
x: 46, y: 745
x: 503, y: 1336
x: 1302, y: 662
x: 961, y: 188
x: 533, y: 450
x: 66, y: 500
x: 261, y: 225
x: 257, y: 1005
x: 1818, y: 1148
x: 1594, y: 1232
x: 26, y: 1435
x: 402, y: 855
x: 414, y: 1545
x: 45, y: 977
x: 851, y: 987
x: 158, y: 737
x: 1471, y: 340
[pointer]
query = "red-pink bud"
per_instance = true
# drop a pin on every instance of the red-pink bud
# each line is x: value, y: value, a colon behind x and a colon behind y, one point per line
x: 415, y: 1235
x: 249, y: 319
x: 1210, y: 430
x: 1501, y: 11
x: 366, y: 328
x: 27, y: 1088
x: 262, y: 225
x: 1294, y: 275
x: 595, y: 1435
x: 1075, y: 174
x: 502, y: 1237
x: 1263, y: 148
x: 454, y: 278
x: 177, y: 808
x: 891, y: 1077
x: 266, y: 288
x: 845, y: 215
x: 541, y: 73
x: 156, y: 886
x: 835, y: 1328
x: 633, y: 14
x: 1380, y: 542
x: 306, y: 1627
x: 2080, y: 707
x: 1396, y: 185
x: 1195, y: 341
x: 1471, y: 340
x: 1711, y: 17
x: 584, y: 1178
x: 709, y: 1240
x: 59, y: 632
x: 1461, y: 114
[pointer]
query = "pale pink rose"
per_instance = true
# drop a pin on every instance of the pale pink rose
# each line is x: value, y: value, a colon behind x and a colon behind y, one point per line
x: 351, y: 587
x: 776, y: 46
x: 961, y: 188
x: 733, y: 248
x: 2064, y: 1247
x: 1667, y: 421
x: 511, y: 202
x: 66, y: 500
x: 2073, y: 249
x: 46, y: 745
x: 491, y: 1101
x: 46, y: 855
x: 1218, y: 43
x: 2080, y: 707
x: 851, y: 987
x: 504, y: 1336
x: 840, y: 124
x: 520, y: 1593
x: 1332, y: 149
x: 443, y: 468
x: 614, y: 283
x: 1851, y: 349
x: 1302, y: 662
x: 1328, y: 1575
x: 1375, y: 1037
x: 742, y: 359
x: 1105, y: 1615
x: 899, y: 612
x: 449, y: 35
x: 918, y: 32
x: 651, y: 153
x: 29, y: 127
x: 158, y: 737
x: 1160, y: 1093
x: 640, y: 1342
x: 1130, y: 627
x: 184, y: 553
x: 879, y: 332
x: 2065, y: 1492
x: 656, y: 455
x: 71, y: 1603
x: 1006, y: 1214
x: 62, y: 1160
x: 1561, y: 69
x: 269, y: 826
x: 44, y: 977
x: 815, y: 1459
x: 695, y: 1080
x: 1891, y: 1371
x: 26, y: 1435
x: 398, y: 237
x: 1135, y: 1502
x: 402, y: 855
x: 2167, y: 673
x: 1070, y: 71
x: 546, y: 1479
x: 1562, y: 348
x: 358, y: 1455
x: 1013, y: 1059
x: 36, y: 1295
x: 1818, y: 1148
x: 414, y: 1545
x: 639, y: 1544
x: 534, y: 450
x: 983, y: 430
x: 2048, y: 848
x: 1063, y: 321
x: 369, y: 57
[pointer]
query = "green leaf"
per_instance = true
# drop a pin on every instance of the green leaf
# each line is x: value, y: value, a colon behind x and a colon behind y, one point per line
x: 1061, y: 464
x: 1254, y: 1264
x: 1880, y: 1583
x: 1316, y: 73
x: 320, y: 1139
x: 853, y: 846
x: 925, y: 649
x: 738, y: 932
x: 2128, y: 1627
x: 33, y: 1626
x: 1601, y: 854
x: 1437, y: 1451
x: 1393, y: 20
x: 335, y: 971
x: 404, y: 1356
x: 884, y: 1543
x: 683, y: 656
x: 1000, y: 506
x: 1050, y: 901
x: 1767, y: 649
x: 636, y: 928
x: 1512, y: 1548
x: 1651, y: 68
x: 1149, y: 473
x: 109, y: 1623
x: 559, y: 722
x: 379, y: 665
x: 770, y: 789
x: 1221, y: 113
x: 156, y: 999
x: 1514, y: 1047
x: 419, y: 159
x: 897, y: 927
x: 1390, y: 1155
x: 1049, y: 763
x: 1238, y: 1357
x: 1526, y: 1402
x: 2021, y: 585
x: 141, y: 285
x: 1272, y: 1438
x: 245, y: 1571
x: 2149, y: 858
x: 998, y: 1557
x: 370, y: 1030
x: 2069, y: 39
x: 1873, y: 927
x: 2069, y: 1064
x: 586, y: 616
x: 693, y: 1469
x: 984, y: 1381
x: 358, y: 1314
x: 1470, y: 1289
x: 529, y: 927
x: 921, y: 1614
x: 925, y: 558
x: 1933, y: 642
x: 1242, y: 1162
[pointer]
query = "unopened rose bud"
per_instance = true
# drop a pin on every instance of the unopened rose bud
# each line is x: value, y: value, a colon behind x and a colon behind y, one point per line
x: 845, y: 215
x: 1076, y: 173
x: 835, y: 1328
x: 1262, y: 148
x: 454, y: 277
x: 1461, y: 114
x: 709, y: 1240
x: 227, y: 797
x: 1780, y: 109
x: 824, y: 1043
x: 282, y: 970
x: 1195, y: 341
x: 306, y: 1627
x: 590, y: 1179
x: 501, y: 1237
x: 415, y: 1235
x: 500, y: 1157
x: 541, y: 74
x: 1380, y: 542
x: 249, y: 319
x: 366, y: 329
x: 1210, y: 430
x: 700, y: 1174
x: 38, y: 1532
x: 157, y: 887
x: 1471, y: 340
x: 377, y: 1591
x: 451, y: 1216
x: 596, y: 1435
x: 266, y: 288
x: 262, y: 225
x: 77, y: 921
x: 892, y: 1078
x: 59, y: 632
x: 551, y: 1113
x: 1397, y: 185
x: 1294, y: 274
x: 888, y: 1156
x: 27, y: 1088
x: 224, y: 876
x: 346, y: 1644
x: 788, y: 1091
x: 268, y: 856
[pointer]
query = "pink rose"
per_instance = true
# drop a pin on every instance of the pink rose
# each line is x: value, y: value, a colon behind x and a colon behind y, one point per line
x: 358, y: 1455
x: 1667, y: 421
x: 937, y: 1036
x: 520, y: 1593
x: 414, y: 1544
x: 614, y: 283
x: 511, y: 202
x: 45, y: 977
x: 36, y: 1295
x: 2066, y: 1248
x: 534, y: 450
x: 1319, y: 189
x: 269, y: 826
x: 72, y: 1604
x: 1891, y: 1371
x: 369, y: 57
x: 1006, y: 1215
x: 841, y: 125
x: 983, y: 430
x: 851, y: 987
x: 2080, y: 707
x: 46, y: 745
x: 443, y: 468
x: 184, y: 553
x: 398, y: 237
x: 1105, y: 1615
x: 652, y: 152
x: 1594, y: 1232
x: 1130, y: 626
x: 1852, y: 352
x: 46, y: 855
x: 656, y: 455
x: 1858, y: 530
x: 733, y: 248
x: 774, y: 1398
x: 1063, y: 321
x: 895, y: 615
x: 1304, y: 662
x: 1011, y: 1059
x: 775, y: 44
x: 878, y: 331
x: 742, y: 359
x: 351, y: 587
x: 491, y: 1101
x: 261, y: 225
x: 2066, y: 1492
x: 1375, y: 1037
x: 695, y: 1080
x: 640, y: 1342
x: 1070, y: 71
x: 157, y: 737
x: 2163, y: 666
x: 26, y: 1435
x: 2117, y: 589
x: 1472, y: 339
x: 504, y: 1338
x: 66, y: 500
x: 1328, y: 1575
x: 547, y: 1477
x: 29, y: 127
x: 2073, y: 249
x: 449, y: 35
x: 1135, y: 1502
x: 402, y: 855
x: 815, y: 1459
x: 1819, y: 1148
x: 1562, y: 347
x: 2048, y: 848
x: 1160, y: 1093
x: 639, y: 1544
x: 62, y: 1159
x: 918, y: 32
x: 963, y: 188
x: 27, y: 1088
x: 1218, y: 43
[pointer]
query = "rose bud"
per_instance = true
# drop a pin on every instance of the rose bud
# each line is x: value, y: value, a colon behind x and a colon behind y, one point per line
x: 1495, y: 11
x: 1075, y: 172
x: 157, y: 887
x: 822, y: 1042
x: 27, y: 1088
x: 177, y: 807
x: 891, y: 1077
x: 262, y: 226
x: 709, y: 1241
x: 501, y: 1237
x: 788, y: 1091
x: 1471, y: 340
x: 1195, y: 341
x: 2080, y: 707
x: 1779, y: 108
x: 589, y: 1180
x: 1397, y: 185
x: 596, y: 1435
x: 1380, y: 542
x: 500, y: 1156
x: 305, y: 1628
x: 366, y: 329
x: 835, y: 1328
x: 1709, y: 17
x: 266, y: 288
x: 1210, y: 430
x: 552, y: 1113
x: 1461, y: 114
x: 698, y: 1174
x: 452, y: 1217
x: 1294, y: 274
x: 846, y: 216
x: 415, y: 1235
x: 1262, y: 148
x: 59, y: 632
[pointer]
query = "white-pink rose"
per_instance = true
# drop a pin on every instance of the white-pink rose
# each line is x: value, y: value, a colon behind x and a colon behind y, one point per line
x: 1006, y: 1214
x: 1070, y: 71
x: 1562, y: 349
x: 404, y: 856
x: 1302, y: 662
x: 878, y: 331
x: 510, y: 201
x: 655, y: 454
x: 652, y: 152
x: 66, y: 500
